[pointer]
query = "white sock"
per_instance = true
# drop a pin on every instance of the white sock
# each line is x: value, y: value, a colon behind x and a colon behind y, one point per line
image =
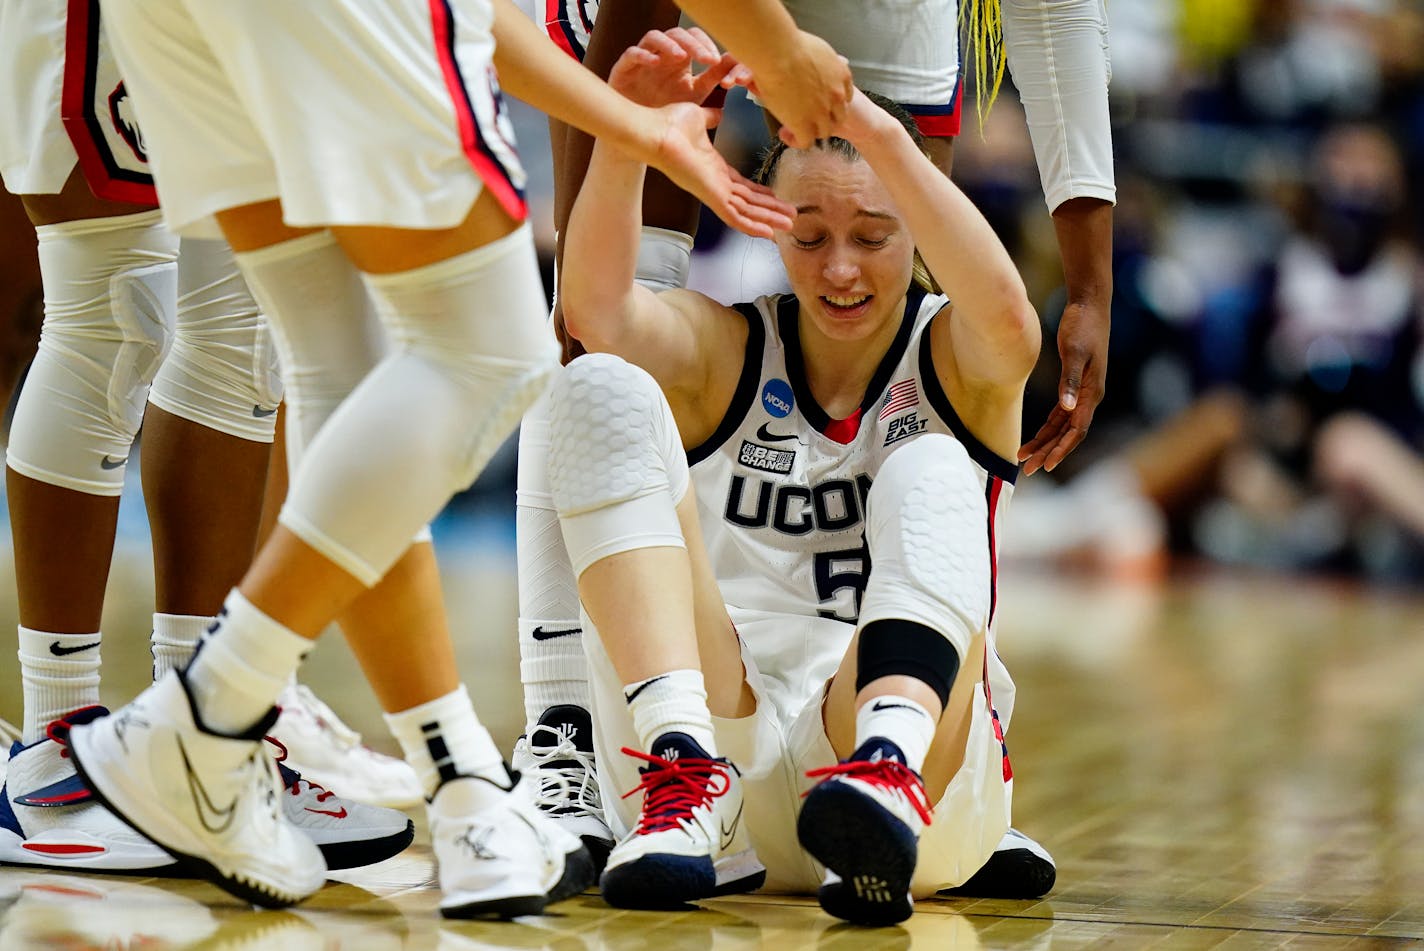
x: 672, y: 702
x: 443, y: 740
x: 174, y: 638
x: 551, y: 661
x: 900, y: 720
x: 241, y: 667
x: 59, y: 673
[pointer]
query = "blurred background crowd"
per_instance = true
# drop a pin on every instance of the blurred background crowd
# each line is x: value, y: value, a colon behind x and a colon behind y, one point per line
x: 1265, y: 390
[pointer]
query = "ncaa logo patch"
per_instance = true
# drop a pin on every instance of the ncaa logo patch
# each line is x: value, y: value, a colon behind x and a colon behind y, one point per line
x: 776, y: 398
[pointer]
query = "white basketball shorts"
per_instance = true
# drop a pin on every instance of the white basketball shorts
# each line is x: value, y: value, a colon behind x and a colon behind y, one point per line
x: 352, y: 112
x: 62, y: 101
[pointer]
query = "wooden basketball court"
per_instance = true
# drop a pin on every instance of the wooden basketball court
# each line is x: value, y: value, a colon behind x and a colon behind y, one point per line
x: 1224, y: 761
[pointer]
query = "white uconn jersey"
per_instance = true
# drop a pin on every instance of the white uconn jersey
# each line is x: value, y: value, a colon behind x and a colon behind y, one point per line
x: 782, y: 487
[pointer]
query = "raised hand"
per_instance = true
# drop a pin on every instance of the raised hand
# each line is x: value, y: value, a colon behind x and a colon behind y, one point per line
x: 685, y: 154
x: 658, y: 70
x: 807, y: 89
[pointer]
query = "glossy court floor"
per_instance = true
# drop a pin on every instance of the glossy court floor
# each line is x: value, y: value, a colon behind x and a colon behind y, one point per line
x: 1218, y: 761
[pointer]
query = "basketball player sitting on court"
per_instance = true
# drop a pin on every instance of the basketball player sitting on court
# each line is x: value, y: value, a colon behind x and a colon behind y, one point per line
x: 746, y: 654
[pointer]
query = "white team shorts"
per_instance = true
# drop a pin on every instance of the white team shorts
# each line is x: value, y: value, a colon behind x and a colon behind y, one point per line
x: 62, y: 101
x: 568, y: 22
x: 789, y: 661
x: 905, y: 50
x: 352, y: 112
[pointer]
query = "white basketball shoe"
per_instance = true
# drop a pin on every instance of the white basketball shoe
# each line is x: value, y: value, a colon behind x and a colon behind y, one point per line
x: 557, y: 756
x: 689, y: 842
x: 349, y: 834
x: 49, y: 819
x: 328, y: 752
x: 863, y: 822
x: 497, y: 854
x: 213, y: 800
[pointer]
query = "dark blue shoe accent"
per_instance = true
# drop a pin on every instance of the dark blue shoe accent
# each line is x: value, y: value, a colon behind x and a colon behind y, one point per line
x: 7, y: 815
x: 69, y: 791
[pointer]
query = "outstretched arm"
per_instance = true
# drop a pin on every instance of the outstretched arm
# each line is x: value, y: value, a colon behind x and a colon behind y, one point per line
x: 994, y: 330
x: 1057, y: 51
x: 673, y: 138
x: 603, y: 307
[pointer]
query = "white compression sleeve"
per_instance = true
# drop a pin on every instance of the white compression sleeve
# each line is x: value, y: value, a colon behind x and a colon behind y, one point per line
x: 1058, y: 54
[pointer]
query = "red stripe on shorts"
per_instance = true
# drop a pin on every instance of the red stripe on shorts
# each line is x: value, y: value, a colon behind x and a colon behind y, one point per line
x: 76, y: 111
x: 486, y: 166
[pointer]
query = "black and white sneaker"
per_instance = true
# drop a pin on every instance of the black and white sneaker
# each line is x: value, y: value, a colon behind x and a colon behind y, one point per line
x: 1019, y: 868
x: 863, y: 822
x: 557, y: 755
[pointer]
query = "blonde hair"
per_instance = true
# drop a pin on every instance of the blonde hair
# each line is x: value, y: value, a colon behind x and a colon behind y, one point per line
x: 981, y: 23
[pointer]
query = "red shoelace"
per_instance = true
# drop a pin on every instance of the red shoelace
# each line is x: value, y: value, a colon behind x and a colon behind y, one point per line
x: 322, y: 793
x: 58, y: 730
x: 887, y: 774
x: 673, y: 788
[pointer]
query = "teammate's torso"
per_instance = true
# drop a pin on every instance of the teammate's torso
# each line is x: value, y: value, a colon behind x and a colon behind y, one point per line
x: 783, y: 488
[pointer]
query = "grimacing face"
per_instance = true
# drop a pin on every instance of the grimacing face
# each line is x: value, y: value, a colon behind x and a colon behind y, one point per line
x: 849, y: 254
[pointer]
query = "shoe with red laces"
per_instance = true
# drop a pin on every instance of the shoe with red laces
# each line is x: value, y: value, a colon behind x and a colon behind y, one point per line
x: 863, y: 822
x: 350, y: 834
x: 48, y: 818
x: 689, y: 842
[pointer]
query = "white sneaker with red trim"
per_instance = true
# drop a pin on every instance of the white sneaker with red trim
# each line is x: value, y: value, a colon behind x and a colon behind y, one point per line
x: 863, y: 822
x: 689, y: 842
x: 49, y: 819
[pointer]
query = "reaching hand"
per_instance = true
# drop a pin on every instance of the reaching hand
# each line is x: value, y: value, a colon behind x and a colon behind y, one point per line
x: 657, y: 71
x: 685, y: 154
x: 1083, y: 348
x: 808, y: 90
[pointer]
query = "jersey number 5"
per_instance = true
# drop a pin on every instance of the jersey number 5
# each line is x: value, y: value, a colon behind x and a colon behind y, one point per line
x: 840, y: 581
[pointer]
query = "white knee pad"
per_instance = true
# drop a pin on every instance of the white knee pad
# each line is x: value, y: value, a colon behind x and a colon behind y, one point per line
x: 110, y: 292
x: 617, y: 468
x: 221, y: 371
x: 927, y: 529
x: 470, y: 352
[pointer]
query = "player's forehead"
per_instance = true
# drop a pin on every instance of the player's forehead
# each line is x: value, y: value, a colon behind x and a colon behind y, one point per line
x: 828, y: 184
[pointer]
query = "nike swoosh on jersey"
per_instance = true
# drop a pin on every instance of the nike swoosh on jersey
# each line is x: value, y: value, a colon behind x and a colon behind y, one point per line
x: 262, y: 412
x: 767, y: 435
x: 109, y: 463
x: 60, y: 650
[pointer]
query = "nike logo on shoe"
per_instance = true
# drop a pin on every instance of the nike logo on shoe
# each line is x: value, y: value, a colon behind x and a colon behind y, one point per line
x: 220, y: 818
x: 109, y: 462
x: 766, y: 435
x: 60, y: 650
x: 728, y: 834
x: 338, y: 814
x: 542, y: 635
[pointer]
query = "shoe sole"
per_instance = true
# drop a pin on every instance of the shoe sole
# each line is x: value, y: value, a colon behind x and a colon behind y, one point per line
x: 579, y: 873
x: 189, y: 865
x: 1011, y: 874
x: 871, y: 850
x: 659, y: 882
x: 361, y: 852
